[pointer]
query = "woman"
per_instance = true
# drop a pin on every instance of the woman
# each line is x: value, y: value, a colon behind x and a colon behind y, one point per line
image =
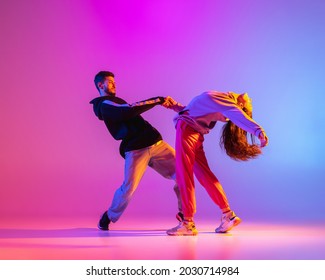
x: 192, y: 122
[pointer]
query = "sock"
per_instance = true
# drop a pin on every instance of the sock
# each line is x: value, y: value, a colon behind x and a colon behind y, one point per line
x: 188, y: 220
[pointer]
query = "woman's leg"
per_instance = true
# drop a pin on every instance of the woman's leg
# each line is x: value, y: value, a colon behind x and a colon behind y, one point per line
x: 209, y: 181
x: 186, y: 142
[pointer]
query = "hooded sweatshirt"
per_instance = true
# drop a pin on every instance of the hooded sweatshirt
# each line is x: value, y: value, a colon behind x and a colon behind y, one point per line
x: 124, y: 122
x: 206, y: 109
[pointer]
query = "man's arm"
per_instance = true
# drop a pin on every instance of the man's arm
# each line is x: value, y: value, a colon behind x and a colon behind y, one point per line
x: 122, y: 112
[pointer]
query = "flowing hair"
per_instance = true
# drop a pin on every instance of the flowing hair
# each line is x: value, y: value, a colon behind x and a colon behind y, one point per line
x: 234, y: 141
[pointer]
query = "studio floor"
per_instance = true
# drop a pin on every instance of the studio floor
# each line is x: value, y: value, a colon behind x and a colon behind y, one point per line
x: 59, y: 239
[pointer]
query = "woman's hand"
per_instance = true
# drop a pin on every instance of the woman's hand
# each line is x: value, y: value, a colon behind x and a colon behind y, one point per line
x: 263, y: 139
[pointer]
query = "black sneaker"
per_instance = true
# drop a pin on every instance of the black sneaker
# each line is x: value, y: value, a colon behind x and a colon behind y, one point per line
x: 180, y: 216
x: 104, y: 222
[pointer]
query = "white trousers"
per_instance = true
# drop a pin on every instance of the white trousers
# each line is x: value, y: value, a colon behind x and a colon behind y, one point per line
x: 160, y: 157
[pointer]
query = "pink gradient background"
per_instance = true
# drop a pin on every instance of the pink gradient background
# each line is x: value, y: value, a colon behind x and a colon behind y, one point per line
x: 58, y: 160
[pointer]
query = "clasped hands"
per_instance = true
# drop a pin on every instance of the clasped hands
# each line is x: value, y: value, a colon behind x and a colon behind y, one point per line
x: 169, y: 102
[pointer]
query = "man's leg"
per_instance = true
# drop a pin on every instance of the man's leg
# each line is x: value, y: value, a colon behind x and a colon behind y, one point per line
x: 136, y: 163
x: 163, y: 161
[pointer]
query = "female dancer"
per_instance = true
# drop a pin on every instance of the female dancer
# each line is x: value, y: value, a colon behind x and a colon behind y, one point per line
x: 192, y: 123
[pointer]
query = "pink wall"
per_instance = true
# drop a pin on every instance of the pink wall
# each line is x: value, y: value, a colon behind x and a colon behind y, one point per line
x: 58, y: 159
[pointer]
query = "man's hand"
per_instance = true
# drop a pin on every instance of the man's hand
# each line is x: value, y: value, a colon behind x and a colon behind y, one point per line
x: 169, y: 102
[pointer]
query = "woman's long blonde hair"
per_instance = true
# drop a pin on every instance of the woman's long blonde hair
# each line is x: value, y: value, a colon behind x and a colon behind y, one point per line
x: 234, y: 141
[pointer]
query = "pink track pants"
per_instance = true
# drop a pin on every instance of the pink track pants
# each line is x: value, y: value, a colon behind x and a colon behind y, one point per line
x: 191, y: 159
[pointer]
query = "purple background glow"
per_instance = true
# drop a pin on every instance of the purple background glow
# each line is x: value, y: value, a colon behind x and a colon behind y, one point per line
x: 58, y: 159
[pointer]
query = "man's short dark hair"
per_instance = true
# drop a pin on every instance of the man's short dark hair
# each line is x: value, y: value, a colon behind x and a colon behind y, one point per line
x: 100, y: 77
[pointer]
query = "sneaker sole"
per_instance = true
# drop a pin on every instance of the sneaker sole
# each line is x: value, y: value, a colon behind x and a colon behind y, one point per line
x: 182, y: 234
x: 236, y: 223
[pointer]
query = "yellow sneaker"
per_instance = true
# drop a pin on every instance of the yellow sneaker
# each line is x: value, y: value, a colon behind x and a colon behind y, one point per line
x: 184, y: 228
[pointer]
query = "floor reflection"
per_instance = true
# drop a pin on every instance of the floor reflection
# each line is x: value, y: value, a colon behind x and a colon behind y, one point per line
x: 141, y: 241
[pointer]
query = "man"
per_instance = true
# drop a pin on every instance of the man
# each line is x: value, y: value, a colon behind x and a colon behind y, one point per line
x: 141, y: 145
x: 192, y: 123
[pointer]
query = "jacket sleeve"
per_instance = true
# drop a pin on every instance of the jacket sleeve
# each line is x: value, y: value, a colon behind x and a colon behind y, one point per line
x: 122, y: 112
x: 230, y: 110
x: 242, y: 120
